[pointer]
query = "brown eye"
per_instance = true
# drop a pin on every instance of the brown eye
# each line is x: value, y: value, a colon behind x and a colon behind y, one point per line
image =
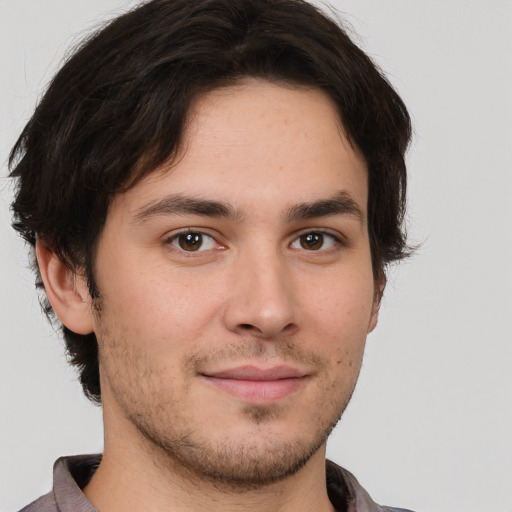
x: 191, y: 241
x: 315, y: 241
x: 312, y: 241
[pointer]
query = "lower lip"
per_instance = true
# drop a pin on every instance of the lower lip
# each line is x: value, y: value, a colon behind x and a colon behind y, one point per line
x: 258, y: 390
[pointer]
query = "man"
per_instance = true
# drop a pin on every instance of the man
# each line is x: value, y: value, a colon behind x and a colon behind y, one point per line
x: 213, y: 190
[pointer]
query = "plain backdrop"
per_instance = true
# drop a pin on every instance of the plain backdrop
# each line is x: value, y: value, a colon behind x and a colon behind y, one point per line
x: 430, y: 423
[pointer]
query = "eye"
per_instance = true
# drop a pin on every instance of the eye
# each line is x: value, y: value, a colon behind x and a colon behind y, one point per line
x: 315, y: 241
x: 192, y: 241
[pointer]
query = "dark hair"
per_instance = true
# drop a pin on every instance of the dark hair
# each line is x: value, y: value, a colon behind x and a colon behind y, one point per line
x: 116, y: 111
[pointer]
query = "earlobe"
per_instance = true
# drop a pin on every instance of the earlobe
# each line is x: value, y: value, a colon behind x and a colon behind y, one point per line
x: 379, y: 291
x: 374, y: 317
x: 66, y: 290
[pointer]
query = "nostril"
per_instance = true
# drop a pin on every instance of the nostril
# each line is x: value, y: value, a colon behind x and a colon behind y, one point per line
x: 254, y: 330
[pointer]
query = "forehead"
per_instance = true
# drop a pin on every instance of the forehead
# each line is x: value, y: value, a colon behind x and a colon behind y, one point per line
x: 259, y: 142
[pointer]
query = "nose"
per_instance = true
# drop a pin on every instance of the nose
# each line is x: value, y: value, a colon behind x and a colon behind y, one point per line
x: 261, y: 301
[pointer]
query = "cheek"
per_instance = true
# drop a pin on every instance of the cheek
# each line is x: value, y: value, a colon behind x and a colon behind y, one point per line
x: 338, y: 317
x: 340, y: 304
x: 158, y: 307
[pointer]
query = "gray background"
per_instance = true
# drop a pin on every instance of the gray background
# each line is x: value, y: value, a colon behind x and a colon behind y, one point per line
x: 430, y: 423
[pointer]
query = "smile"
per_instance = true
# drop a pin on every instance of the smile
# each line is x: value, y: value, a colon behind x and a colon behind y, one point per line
x: 256, y: 385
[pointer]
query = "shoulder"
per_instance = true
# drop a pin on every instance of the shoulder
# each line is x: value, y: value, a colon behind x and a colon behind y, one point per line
x: 393, y: 509
x: 341, y: 482
x: 70, y: 475
x: 45, y: 503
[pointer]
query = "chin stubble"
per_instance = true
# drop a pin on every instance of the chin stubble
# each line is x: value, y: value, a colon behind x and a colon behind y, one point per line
x: 234, y: 466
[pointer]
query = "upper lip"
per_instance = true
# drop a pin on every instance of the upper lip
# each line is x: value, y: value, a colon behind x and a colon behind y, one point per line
x: 250, y: 372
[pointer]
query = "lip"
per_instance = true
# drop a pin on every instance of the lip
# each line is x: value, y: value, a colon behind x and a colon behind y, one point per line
x: 257, y: 385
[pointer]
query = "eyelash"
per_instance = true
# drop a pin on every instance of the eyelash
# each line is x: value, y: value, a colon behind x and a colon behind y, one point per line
x: 190, y: 231
x: 174, y: 239
x: 336, y: 240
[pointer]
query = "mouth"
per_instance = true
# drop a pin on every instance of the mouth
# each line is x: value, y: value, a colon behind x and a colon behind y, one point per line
x: 257, y: 385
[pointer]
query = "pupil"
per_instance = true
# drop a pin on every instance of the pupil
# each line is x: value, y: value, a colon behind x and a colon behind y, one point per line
x: 312, y: 241
x: 190, y: 241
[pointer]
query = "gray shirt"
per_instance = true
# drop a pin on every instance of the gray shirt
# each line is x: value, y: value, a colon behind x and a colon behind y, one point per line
x: 71, y: 474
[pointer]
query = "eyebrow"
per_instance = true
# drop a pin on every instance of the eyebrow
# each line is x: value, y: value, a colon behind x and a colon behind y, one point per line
x: 184, y: 205
x: 340, y: 204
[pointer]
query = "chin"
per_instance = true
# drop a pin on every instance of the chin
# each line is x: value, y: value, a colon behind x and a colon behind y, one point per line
x: 257, y: 456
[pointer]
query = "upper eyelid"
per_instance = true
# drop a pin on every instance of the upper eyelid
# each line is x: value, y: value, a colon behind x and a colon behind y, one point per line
x: 181, y: 231
x: 324, y: 231
x: 170, y: 239
x: 327, y: 234
x: 171, y: 236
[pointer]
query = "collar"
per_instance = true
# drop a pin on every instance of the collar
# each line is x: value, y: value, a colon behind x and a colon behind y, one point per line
x: 71, y: 474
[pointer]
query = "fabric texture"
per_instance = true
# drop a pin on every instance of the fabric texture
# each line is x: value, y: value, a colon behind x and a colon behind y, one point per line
x: 71, y: 474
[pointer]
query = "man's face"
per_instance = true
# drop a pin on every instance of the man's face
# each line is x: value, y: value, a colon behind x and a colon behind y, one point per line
x: 237, y: 288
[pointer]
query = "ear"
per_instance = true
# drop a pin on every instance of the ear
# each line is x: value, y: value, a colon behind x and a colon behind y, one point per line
x: 377, y: 298
x: 66, y: 290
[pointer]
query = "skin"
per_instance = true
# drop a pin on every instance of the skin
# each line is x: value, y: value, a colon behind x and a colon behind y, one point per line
x: 252, y: 292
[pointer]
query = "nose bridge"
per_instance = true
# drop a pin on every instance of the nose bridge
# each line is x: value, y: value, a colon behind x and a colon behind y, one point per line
x: 262, y: 299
